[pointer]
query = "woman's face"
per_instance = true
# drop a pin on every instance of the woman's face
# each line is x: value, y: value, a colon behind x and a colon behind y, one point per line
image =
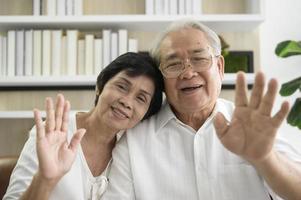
x: 125, y: 100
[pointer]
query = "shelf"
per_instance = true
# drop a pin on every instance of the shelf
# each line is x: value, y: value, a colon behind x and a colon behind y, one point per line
x: 24, y: 114
x: 80, y: 81
x: 219, y: 23
x: 18, y: 114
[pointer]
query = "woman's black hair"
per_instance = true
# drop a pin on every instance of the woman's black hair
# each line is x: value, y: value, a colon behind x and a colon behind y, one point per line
x: 135, y: 64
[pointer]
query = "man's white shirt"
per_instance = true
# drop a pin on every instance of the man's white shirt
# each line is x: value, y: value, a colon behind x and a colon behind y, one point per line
x: 162, y: 158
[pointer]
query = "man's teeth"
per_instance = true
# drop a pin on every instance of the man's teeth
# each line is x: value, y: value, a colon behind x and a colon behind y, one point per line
x: 190, y: 88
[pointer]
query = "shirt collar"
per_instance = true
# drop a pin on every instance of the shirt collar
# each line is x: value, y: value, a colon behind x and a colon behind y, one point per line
x: 166, y: 114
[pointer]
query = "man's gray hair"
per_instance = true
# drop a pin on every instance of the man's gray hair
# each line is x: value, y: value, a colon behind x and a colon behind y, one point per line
x: 210, y: 35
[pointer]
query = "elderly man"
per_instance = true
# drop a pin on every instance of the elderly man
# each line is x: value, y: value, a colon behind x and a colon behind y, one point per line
x: 200, y: 146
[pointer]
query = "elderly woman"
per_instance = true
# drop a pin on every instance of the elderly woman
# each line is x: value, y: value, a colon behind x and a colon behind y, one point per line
x: 68, y: 156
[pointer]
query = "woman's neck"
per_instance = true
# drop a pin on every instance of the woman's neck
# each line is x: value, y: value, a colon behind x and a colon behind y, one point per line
x: 96, y: 131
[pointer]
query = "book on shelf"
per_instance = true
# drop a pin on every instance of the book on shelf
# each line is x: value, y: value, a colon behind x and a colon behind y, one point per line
x: 56, y: 52
x: 69, y: 7
x: 196, y: 7
x: 106, y: 36
x: 37, y: 53
x: 20, y: 53
x: 72, y: 36
x: 181, y: 10
x: 78, y: 7
x: 60, y: 52
x: 166, y: 7
x: 122, y: 41
x: 89, y: 54
x: 133, y: 45
x: 98, y: 66
x: 81, y: 57
x: 1, y: 49
x: 37, y: 7
x: 11, y: 52
x: 159, y: 7
x: 28, y: 53
x: 188, y: 7
x: 46, y: 52
x: 114, y: 46
x: 64, y: 56
x: 51, y: 7
x: 173, y: 8
x: 4, y: 56
x: 61, y: 7
x: 149, y: 7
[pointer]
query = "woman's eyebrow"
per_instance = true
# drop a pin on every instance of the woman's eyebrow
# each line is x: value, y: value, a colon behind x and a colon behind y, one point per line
x: 129, y: 82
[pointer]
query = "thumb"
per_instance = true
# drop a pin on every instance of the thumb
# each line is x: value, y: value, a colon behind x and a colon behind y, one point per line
x: 220, y: 124
x: 77, y: 137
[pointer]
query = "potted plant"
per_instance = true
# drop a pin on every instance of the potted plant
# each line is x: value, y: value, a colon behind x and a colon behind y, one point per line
x: 286, y: 49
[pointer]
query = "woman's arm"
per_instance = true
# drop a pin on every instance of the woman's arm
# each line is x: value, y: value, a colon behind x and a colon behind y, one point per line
x: 54, y: 154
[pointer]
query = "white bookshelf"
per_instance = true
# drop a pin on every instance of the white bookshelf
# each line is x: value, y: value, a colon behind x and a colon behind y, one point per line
x: 25, y: 114
x: 219, y: 23
x: 31, y: 81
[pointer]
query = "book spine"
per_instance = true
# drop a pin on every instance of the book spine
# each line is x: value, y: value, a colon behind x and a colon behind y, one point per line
x: 97, y: 56
x: 61, y: 7
x: 36, y: 7
x: 37, y: 52
x: 20, y: 53
x: 56, y: 52
x: 149, y: 7
x: 106, y: 36
x: 46, y: 53
x: 28, y: 52
x: 78, y: 7
x: 114, y: 46
x: 81, y: 57
x: 4, y: 56
x: 11, y: 52
x: 72, y: 52
x: 89, y: 54
x: 133, y: 45
x: 122, y: 41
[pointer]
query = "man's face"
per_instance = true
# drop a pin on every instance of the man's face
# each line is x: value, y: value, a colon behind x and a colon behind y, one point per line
x: 192, y: 90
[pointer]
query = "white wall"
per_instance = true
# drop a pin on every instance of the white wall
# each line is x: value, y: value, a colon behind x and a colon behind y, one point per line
x: 282, y: 22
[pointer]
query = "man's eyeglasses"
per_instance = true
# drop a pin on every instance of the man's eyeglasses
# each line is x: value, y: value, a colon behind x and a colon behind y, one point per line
x: 200, y: 61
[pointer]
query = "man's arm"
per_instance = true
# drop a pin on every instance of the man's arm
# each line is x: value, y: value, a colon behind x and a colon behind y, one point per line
x: 120, y: 178
x: 251, y: 134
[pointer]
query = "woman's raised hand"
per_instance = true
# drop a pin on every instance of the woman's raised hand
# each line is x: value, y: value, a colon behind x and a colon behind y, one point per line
x: 55, y: 154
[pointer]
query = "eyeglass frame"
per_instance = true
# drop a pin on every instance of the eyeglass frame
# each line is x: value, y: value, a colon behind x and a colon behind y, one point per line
x: 184, y: 63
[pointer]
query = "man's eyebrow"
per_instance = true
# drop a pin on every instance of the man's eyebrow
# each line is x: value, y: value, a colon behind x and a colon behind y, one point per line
x: 174, y: 55
x: 197, y: 50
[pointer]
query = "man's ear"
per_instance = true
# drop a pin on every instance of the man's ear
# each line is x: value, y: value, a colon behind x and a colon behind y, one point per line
x: 221, y: 66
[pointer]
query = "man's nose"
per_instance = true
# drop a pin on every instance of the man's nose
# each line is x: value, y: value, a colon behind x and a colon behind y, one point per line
x: 188, y: 71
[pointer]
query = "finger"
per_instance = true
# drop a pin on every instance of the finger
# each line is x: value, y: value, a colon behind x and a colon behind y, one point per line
x: 65, y: 121
x: 220, y: 124
x: 267, y: 102
x: 241, y: 90
x: 257, y: 91
x: 39, y: 124
x: 59, y: 111
x: 77, y: 137
x: 50, y: 120
x: 281, y: 114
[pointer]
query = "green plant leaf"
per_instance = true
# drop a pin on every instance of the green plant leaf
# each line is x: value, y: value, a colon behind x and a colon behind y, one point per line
x: 288, y: 48
x: 290, y: 87
x: 294, y: 117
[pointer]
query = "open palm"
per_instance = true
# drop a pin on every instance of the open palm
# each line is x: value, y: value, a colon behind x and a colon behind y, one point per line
x: 55, y: 154
x: 252, y: 130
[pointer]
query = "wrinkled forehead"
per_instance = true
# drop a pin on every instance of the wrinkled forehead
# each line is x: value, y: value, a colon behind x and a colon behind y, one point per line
x: 183, y: 42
